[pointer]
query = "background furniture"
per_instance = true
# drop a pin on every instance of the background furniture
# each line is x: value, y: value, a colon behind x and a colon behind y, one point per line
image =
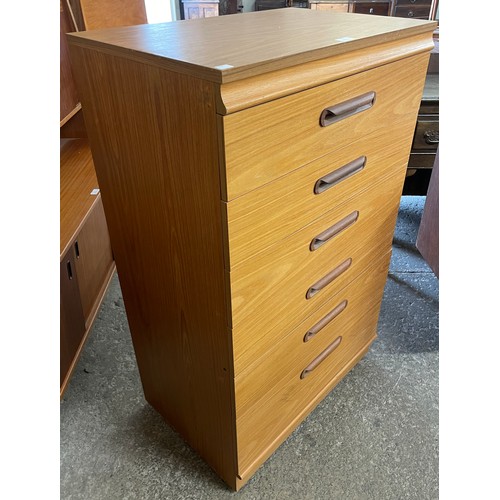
x: 86, y: 259
x: 426, y: 136
x: 251, y: 195
x: 376, y: 7
x: 417, y: 9
x: 428, y: 234
x: 109, y: 13
x: 194, y: 9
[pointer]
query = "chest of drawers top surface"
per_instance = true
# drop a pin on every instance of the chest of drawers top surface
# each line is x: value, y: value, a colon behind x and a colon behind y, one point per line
x: 230, y: 48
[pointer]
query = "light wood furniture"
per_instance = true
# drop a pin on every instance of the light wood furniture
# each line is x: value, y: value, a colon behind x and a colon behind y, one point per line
x: 251, y: 192
x: 195, y: 9
x: 99, y: 14
x: 86, y: 260
x: 375, y: 7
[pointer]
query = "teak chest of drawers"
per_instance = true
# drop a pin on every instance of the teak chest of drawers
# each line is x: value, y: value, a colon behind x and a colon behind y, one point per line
x: 251, y: 191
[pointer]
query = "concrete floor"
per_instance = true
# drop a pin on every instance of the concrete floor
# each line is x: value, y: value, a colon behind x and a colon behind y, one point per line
x: 374, y: 437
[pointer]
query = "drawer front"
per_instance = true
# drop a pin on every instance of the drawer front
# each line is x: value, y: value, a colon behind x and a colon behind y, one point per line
x: 265, y: 142
x: 415, y: 3
x: 426, y: 135
x: 270, y: 213
x: 272, y: 395
x: 375, y: 8
x: 421, y: 160
x: 415, y: 12
x: 274, y: 290
x: 337, y: 7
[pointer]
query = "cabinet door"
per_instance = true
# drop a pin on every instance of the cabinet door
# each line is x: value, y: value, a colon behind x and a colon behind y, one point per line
x: 72, y: 321
x: 94, y: 260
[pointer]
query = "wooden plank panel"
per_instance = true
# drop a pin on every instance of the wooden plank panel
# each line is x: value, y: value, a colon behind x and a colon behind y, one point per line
x: 68, y: 94
x: 94, y: 260
x: 157, y: 163
x: 98, y: 14
x: 77, y: 181
x: 72, y: 330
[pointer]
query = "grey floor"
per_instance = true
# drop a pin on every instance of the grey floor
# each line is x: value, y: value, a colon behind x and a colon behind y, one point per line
x: 375, y: 436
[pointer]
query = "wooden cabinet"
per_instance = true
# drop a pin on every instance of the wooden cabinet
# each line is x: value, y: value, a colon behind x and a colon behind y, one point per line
x: 251, y: 194
x: 374, y: 7
x: 194, y: 9
x: 86, y: 258
x: 72, y: 328
x: 416, y: 9
x: 413, y: 9
x: 324, y: 5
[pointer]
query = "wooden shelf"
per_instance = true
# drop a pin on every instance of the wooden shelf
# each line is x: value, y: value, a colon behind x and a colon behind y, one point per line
x: 78, y: 180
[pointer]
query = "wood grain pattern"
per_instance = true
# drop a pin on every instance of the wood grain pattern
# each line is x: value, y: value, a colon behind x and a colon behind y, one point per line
x: 268, y: 291
x: 339, y: 7
x: 94, y: 260
x: 291, y: 354
x: 99, y: 14
x: 68, y: 94
x: 181, y: 46
x: 167, y: 161
x: 77, y: 181
x: 263, y: 411
x: 240, y: 94
x: 270, y: 213
x: 157, y: 164
x: 72, y: 322
x: 265, y: 142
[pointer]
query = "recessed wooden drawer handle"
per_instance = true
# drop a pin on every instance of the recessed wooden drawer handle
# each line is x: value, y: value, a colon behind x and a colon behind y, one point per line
x: 314, y: 330
x: 326, y: 280
x: 337, y: 228
x: 316, y: 361
x: 347, y: 108
x: 339, y: 175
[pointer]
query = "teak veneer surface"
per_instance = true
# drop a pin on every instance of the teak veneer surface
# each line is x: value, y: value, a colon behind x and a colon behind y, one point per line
x: 266, y: 40
x: 268, y: 214
x: 270, y: 140
x: 267, y: 420
x: 77, y: 181
x: 268, y: 291
x: 152, y: 98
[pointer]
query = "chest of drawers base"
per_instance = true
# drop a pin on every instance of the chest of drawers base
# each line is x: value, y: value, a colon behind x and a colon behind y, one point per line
x: 165, y: 129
